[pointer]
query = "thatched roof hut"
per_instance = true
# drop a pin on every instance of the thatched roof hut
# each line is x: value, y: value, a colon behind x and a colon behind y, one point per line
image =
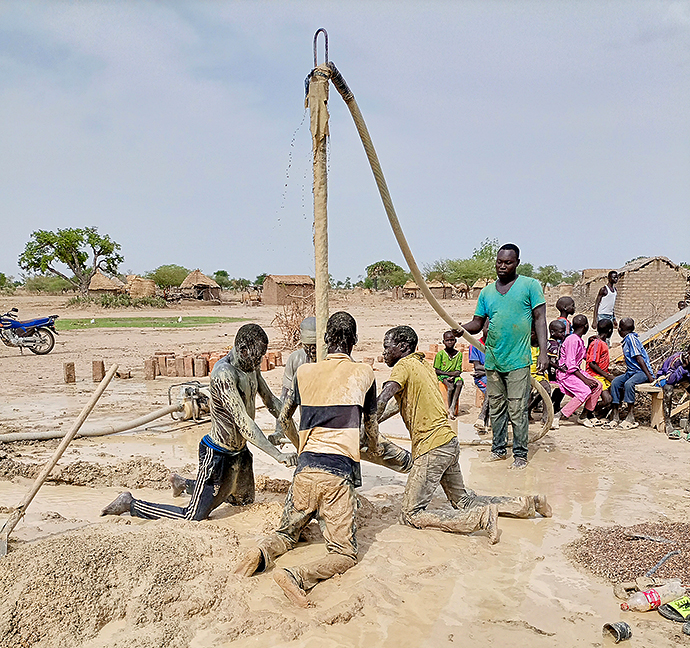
x: 102, y: 285
x: 140, y: 287
x: 198, y: 286
x: 440, y: 290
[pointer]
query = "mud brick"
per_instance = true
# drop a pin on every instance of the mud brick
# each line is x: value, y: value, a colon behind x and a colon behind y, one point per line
x: 212, y: 361
x: 179, y: 366
x: 429, y: 355
x: 433, y: 348
x: 170, y: 367
x: 188, y: 366
x: 466, y: 364
x: 150, y: 366
x: 369, y: 361
x: 97, y: 370
x: 264, y: 364
x: 200, y: 367
x: 68, y: 372
x: 271, y: 355
x: 279, y: 359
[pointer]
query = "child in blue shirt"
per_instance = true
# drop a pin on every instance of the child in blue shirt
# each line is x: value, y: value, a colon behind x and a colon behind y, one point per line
x: 638, y: 371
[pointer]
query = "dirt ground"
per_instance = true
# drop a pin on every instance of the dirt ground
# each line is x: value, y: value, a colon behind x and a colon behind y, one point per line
x: 75, y: 579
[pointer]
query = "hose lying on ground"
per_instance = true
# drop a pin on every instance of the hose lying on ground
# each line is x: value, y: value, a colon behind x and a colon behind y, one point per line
x: 104, y: 431
x: 349, y: 98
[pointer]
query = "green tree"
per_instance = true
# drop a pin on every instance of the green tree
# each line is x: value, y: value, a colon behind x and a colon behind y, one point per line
x: 167, y: 276
x: 526, y: 270
x: 259, y: 281
x: 571, y: 276
x: 222, y: 278
x: 82, y: 250
x: 386, y: 274
x: 240, y: 284
x: 548, y: 275
x: 487, y: 251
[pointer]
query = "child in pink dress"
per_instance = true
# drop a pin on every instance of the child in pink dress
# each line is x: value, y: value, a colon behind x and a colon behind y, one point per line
x: 582, y: 388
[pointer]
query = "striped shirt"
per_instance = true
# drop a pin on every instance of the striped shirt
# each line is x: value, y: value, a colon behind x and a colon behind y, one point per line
x: 633, y: 347
x: 332, y: 396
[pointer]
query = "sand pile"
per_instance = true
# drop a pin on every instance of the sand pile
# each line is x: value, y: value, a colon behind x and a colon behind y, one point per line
x: 130, y: 584
x: 612, y: 552
x: 160, y: 579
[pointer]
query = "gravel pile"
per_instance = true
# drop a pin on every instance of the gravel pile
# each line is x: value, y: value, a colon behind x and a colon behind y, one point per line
x: 611, y: 552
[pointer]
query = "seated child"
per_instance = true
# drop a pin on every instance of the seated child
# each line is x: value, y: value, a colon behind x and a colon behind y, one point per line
x: 597, y: 361
x: 674, y: 372
x: 572, y: 381
x: 566, y: 306
x: 448, y: 366
x: 638, y: 371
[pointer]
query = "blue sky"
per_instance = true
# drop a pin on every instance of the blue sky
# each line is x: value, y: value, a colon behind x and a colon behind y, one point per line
x: 562, y: 126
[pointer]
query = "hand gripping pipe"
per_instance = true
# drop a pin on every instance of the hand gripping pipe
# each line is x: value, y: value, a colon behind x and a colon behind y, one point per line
x: 349, y: 98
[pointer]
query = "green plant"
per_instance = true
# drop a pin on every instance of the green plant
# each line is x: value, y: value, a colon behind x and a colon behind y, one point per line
x: 82, y: 250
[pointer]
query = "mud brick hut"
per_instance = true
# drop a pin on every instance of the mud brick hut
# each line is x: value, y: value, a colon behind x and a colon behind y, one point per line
x: 102, y: 285
x: 140, y: 287
x: 411, y: 290
x: 279, y: 290
x: 441, y: 290
x: 198, y: 286
x: 478, y: 286
x: 648, y: 290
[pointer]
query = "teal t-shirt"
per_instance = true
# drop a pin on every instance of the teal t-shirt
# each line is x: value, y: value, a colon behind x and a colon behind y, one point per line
x: 510, y: 323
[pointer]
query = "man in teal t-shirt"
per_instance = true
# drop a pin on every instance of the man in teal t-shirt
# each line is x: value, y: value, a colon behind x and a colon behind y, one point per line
x: 511, y: 304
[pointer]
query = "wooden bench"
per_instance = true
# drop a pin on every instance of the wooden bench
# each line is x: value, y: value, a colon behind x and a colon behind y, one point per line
x: 657, y: 394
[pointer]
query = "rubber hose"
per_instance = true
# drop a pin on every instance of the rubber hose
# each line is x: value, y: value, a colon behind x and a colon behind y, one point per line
x: 104, y: 431
x: 349, y: 98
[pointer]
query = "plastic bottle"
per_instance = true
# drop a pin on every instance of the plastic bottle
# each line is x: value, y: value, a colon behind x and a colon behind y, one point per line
x: 653, y: 598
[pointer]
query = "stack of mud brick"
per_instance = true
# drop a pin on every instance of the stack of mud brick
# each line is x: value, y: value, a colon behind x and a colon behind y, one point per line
x: 271, y: 360
x: 199, y: 365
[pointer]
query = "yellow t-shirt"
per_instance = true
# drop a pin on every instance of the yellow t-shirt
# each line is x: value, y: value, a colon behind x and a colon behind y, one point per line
x: 542, y: 377
x: 421, y: 404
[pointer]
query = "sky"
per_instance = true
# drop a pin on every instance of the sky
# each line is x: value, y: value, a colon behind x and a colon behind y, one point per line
x: 178, y: 129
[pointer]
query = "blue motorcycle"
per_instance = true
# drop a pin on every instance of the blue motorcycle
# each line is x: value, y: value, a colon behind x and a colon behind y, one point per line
x: 37, y: 335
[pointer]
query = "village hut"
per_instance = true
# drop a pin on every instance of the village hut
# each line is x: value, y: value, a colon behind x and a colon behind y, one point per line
x: 140, y: 287
x: 198, y: 286
x: 280, y: 290
x: 649, y: 290
x: 440, y: 290
x: 411, y: 290
x: 102, y: 285
x: 478, y: 286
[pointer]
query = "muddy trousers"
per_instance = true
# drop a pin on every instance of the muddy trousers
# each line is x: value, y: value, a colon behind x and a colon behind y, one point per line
x: 508, y: 399
x: 440, y: 466
x: 332, y: 500
x: 222, y: 476
x: 668, y: 401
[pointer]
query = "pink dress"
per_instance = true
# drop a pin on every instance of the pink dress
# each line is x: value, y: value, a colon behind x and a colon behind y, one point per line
x: 572, y: 354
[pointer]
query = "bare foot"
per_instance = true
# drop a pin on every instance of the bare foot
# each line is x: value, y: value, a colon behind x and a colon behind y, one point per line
x: 119, y: 505
x: 292, y: 590
x: 178, y: 483
x: 249, y: 563
x: 542, y: 506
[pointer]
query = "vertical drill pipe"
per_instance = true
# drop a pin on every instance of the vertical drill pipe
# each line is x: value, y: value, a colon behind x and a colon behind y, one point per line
x: 317, y: 99
x: 349, y: 98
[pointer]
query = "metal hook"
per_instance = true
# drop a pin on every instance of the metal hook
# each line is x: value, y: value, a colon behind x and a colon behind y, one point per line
x: 325, y: 36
